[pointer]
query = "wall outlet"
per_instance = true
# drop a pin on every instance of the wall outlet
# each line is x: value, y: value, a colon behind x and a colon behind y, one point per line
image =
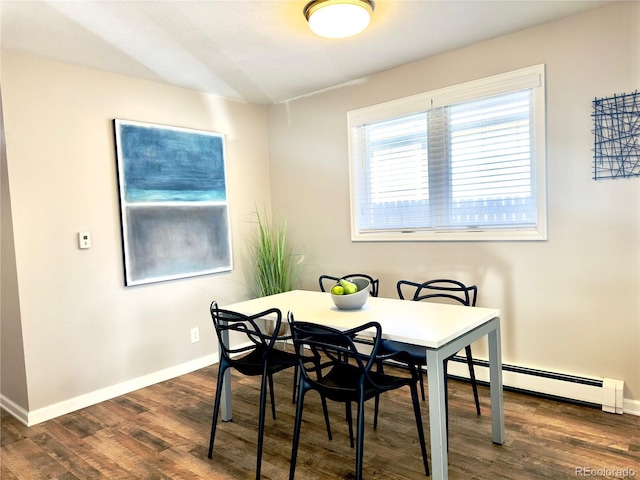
x: 84, y: 240
x: 195, y: 335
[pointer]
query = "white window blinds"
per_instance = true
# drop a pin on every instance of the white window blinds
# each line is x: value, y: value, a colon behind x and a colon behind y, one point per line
x: 470, y: 165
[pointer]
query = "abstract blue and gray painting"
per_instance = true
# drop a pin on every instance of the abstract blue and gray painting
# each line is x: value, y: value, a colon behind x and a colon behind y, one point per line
x: 173, y: 199
x: 172, y: 165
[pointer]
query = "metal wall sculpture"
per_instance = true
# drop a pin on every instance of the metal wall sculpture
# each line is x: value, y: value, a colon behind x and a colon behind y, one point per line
x: 616, y: 151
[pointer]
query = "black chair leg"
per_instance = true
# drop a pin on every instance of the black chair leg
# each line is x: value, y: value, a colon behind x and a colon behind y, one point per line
x: 325, y: 410
x: 360, y: 440
x: 421, y: 371
x: 376, y: 401
x: 416, y: 411
x: 472, y: 376
x: 376, y: 405
x: 263, y: 408
x: 273, y: 400
x: 216, y: 407
x: 349, y: 422
x: 296, y: 431
x: 295, y: 383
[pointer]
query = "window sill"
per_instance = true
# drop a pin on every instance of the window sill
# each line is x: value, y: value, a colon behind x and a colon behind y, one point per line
x: 452, y: 236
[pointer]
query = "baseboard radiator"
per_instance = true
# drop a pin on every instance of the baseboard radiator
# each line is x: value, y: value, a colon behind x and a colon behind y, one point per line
x: 605, y: 392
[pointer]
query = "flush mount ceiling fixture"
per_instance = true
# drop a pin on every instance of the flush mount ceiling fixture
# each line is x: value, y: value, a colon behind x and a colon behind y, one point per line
x: 338, y: 18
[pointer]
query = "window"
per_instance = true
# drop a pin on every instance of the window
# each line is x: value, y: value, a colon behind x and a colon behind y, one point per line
x: 461, y: 163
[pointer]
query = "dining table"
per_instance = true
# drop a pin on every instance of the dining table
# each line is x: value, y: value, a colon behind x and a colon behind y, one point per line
x: 442, y: 329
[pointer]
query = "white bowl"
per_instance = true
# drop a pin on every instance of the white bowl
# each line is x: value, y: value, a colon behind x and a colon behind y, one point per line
x: 356, y: 300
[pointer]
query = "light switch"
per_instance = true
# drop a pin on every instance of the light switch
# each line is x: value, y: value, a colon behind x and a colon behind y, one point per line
x: 84, y: 240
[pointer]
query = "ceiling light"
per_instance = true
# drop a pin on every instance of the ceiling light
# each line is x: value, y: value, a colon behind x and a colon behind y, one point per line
x: 338, y: 18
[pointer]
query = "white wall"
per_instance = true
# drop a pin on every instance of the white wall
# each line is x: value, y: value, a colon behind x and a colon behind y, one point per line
x: 82, y: 331
x: 12, y: 365
x: 570, y: 304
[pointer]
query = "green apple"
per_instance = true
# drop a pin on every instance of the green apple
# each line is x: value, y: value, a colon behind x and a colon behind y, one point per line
x: 349, y: 287
x: 337, y: 290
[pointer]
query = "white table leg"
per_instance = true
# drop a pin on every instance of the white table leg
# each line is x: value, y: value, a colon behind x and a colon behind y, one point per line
x: 495, y: 383
x: 225, y: 401
x: 437, y: 416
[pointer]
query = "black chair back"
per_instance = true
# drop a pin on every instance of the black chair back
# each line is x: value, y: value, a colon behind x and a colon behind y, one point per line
x: 250, y: 356
x: 439, y: 288
x: 333, y: 346
x: 327, y: 281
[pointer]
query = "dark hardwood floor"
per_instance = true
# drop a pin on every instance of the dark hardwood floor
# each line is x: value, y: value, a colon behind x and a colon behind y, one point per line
x: 162, y: 432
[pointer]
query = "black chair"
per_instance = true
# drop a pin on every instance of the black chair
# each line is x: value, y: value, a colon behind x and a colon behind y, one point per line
x: 446, y: 290
x: 327, y: 281
x: 346, y: 382
x: 255, y: 355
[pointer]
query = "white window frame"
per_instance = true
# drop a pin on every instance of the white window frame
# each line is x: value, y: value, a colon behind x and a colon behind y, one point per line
x: 531, y: 77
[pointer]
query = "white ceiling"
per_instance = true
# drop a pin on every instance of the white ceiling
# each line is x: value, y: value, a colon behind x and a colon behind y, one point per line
x: 260, y: 51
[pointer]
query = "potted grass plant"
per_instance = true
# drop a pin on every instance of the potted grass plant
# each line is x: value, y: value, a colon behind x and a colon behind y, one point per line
x: 275, y: 266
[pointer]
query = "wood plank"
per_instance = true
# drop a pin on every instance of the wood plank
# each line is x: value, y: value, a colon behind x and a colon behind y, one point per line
x: 163, y: 432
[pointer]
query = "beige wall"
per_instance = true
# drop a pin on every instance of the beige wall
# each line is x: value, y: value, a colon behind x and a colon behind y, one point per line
x: 12, y: 362
x: 83, y: 331
x: 570, y: 304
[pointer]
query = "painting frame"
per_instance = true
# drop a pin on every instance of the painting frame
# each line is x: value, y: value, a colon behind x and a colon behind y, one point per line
x: 174, y: 207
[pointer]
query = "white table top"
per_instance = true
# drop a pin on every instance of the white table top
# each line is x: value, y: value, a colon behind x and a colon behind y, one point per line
x: 420, y: 323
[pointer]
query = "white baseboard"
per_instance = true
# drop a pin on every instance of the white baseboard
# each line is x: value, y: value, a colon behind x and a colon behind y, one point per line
x: 16, y: 410
x: 537, y: 384
x: 585, y: 392
x: 631, y: 407
x: 40, y: 415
